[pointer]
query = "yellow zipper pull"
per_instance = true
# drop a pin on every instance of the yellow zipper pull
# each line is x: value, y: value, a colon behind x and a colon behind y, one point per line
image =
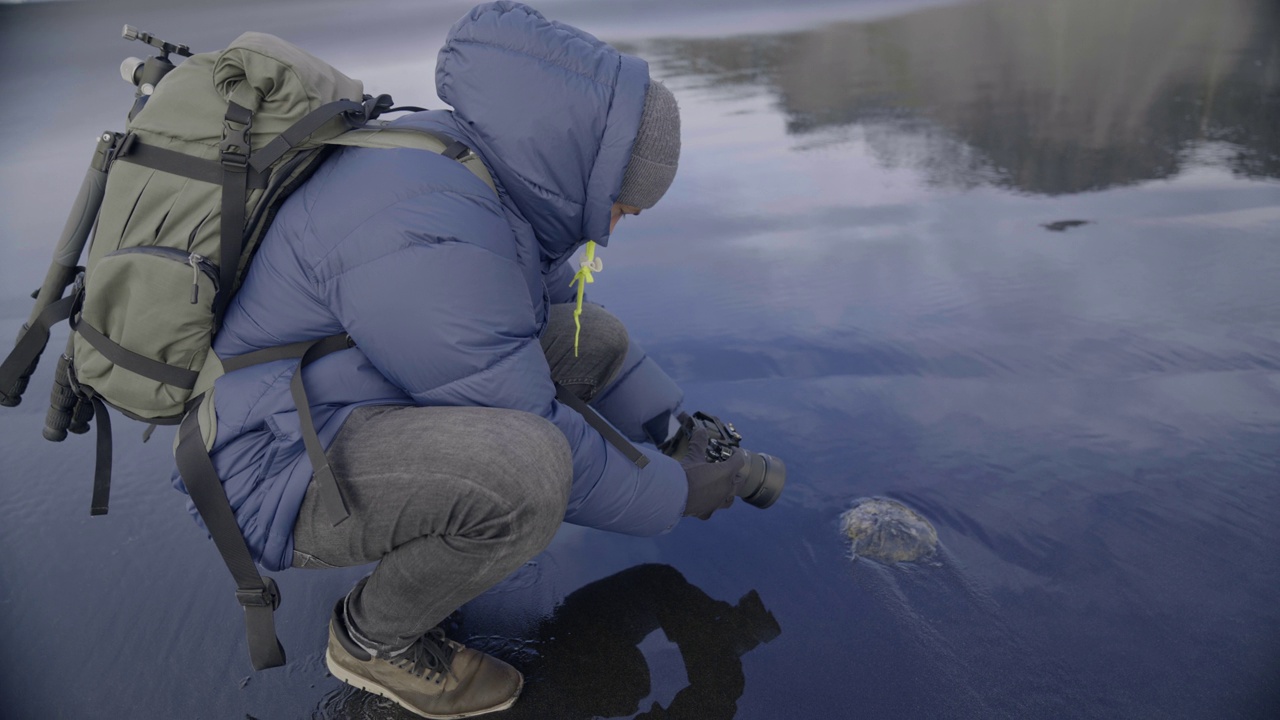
x: 591, y: 264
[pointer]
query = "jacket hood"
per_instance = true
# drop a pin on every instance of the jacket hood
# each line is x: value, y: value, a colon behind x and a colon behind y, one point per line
x: 553, y: 111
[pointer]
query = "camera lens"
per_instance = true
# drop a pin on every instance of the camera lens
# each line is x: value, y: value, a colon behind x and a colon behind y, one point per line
x: 765, y: 477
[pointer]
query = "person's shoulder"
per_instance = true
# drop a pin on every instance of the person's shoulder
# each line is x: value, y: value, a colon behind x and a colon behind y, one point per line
x: 363, y: 186
x: 366, y: 203
x: 396, y: 174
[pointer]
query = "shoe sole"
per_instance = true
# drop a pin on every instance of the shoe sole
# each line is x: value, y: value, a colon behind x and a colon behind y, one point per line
x: 356, y: 681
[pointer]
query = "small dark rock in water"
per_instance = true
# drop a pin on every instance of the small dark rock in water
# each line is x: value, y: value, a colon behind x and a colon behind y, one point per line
x: 888, y: 531
x: 1063, y: 225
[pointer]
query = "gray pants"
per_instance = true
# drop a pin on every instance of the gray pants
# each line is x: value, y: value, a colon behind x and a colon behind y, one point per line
x: 450, y: 500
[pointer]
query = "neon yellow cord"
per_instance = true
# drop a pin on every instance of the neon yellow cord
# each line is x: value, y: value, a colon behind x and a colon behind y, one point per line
x: 583, y: 277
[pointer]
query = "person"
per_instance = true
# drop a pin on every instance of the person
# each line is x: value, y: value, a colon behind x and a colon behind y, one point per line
x: 441, y: 424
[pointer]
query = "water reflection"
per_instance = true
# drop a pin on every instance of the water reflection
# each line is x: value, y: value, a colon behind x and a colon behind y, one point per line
x: 1088, y: 416
x: 586, y: 659
x: 1052, y: 97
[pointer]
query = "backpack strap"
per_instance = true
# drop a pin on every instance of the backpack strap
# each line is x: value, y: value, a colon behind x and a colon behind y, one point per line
x: 331, y: 496
x: 178, y: 377
x: 21, y: 362
x: 256, y: 593
x: 234, y: 156
x: 416, y: 139
x: 306, y: 352
x: 102, y: 464
x: 136, y: 152
x: 602, y: 426
x: 309, y: 124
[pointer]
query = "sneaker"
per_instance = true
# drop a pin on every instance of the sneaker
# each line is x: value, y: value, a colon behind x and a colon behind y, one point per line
x: 434, y: 678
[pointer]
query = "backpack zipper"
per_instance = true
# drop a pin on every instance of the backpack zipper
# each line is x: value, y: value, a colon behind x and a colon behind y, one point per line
x: 199, y: 264
x: 194, y: 261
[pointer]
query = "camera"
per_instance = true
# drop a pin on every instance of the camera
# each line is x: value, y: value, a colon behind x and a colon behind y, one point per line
x: 763, y: 475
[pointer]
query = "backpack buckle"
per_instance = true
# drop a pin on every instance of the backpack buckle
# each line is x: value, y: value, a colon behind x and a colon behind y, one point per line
x: 232, y: 159
x: 268, y: 596
x: 235, y: 146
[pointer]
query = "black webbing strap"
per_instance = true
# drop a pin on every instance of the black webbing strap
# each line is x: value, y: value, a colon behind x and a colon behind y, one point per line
x: 601, y: 425
x: 31, y: 344
x: 326, y: 484
x: 234, y: 158
x: 257, y: 594
x: 183, y: 165
x: 301, y: 130
x: 132, y: 361
x: 102, y: 465
x: 308, y: 351
x: 375, y: 106
x: 292, y: 351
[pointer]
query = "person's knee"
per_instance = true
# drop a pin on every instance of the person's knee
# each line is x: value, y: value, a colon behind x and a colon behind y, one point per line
x: 584, y: 361
x: 608, y: 334
x: 608, y: 338
x: 547, y: 468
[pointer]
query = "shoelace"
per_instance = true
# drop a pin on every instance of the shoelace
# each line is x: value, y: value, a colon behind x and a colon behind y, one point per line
x: 431, y: 657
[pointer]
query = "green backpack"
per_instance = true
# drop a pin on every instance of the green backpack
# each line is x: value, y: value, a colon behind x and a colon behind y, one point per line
x: 177, y: 205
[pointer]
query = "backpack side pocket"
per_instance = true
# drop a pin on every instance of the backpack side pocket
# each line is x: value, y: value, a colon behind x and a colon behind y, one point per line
x: 145, y: 328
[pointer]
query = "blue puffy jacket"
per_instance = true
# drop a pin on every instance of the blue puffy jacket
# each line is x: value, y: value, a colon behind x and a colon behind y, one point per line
x: 444, y: 286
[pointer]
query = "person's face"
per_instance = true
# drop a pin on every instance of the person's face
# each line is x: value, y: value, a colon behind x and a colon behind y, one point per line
x: 618, y: 211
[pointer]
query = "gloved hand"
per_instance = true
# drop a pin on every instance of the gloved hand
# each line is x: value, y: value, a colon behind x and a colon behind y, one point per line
x: 712, y: 486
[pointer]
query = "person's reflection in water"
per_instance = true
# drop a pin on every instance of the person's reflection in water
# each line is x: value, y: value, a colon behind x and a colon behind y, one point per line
x: 589, y: 664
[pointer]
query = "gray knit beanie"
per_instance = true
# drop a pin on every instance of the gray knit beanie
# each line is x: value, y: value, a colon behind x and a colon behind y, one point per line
x: 656, y: 152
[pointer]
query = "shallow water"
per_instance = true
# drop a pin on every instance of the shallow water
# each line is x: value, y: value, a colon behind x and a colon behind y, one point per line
x: 864, y: 265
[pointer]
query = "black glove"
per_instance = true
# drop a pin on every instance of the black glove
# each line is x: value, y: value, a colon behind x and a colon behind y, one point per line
x: 712, y: 485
